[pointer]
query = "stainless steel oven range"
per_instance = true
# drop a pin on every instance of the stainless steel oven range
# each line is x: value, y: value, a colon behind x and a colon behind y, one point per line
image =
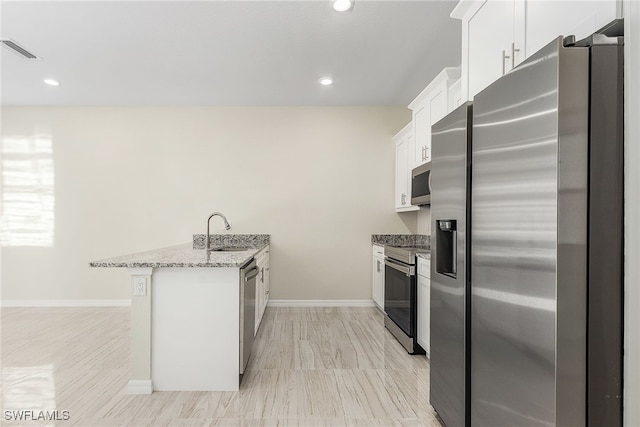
x: 400, y: 295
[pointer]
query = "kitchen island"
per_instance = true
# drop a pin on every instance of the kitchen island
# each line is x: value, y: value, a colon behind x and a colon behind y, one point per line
x: 185, y: 313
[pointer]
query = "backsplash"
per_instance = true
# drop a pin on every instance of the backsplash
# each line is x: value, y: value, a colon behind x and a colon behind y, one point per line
x: 401, y: 239
x: 233, y: 240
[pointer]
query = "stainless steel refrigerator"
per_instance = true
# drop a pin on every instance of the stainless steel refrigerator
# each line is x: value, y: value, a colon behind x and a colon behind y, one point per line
x: 527, y: 226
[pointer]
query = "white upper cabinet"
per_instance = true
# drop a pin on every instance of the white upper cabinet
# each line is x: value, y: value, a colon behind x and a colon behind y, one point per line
x: 431, y: 105
x: 546, y: 20
x: 455, y: 95
x: 492, y: 48
x: 413, y: 142
x: 497, y: 35
x: 404, y: 141
x: 421, y: 128
x: 492, y: 41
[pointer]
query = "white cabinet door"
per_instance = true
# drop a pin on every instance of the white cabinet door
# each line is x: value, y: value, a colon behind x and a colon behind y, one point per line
x: 490, y: 35
x: 378, y: 276
x: 422, y: 131
x: 265, y: 280
x: 401, y: 173
x: 259, y: 303
x: 424, y: 302
x: 404, y: 163
x: 455, y: 95
x: 267, y: 289
x: 262, y: 285
x: 431, y: 105
x: 546, y: 20
x: 499, y: 34
x: 437, y: 110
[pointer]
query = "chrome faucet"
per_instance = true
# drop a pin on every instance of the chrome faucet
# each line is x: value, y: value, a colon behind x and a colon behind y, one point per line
x: 227, y: 226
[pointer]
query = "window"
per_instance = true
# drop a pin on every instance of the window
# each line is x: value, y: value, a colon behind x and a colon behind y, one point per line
x: 27, y: 188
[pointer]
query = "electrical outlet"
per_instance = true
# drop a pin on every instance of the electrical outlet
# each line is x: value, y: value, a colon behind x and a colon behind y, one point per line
x: 139, y: 286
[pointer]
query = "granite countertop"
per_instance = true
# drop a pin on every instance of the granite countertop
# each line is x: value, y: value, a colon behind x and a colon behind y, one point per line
x: 425, y: 255
x: 408, y: 240
x: 179, y: 256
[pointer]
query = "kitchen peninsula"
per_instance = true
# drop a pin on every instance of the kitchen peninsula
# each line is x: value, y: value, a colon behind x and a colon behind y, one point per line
x: 186, y: 313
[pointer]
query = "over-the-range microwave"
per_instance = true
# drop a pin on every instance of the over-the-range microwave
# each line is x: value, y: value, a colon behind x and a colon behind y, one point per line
x: 421, y: 185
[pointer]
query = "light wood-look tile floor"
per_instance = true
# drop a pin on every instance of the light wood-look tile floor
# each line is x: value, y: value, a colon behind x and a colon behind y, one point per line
x: 309, y: 367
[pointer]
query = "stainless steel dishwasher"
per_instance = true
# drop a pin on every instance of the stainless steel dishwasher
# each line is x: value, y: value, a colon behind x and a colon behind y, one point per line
x: 248, y: 275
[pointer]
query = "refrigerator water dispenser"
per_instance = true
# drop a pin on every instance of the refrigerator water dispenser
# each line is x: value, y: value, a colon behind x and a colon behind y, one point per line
x: 446, y: 247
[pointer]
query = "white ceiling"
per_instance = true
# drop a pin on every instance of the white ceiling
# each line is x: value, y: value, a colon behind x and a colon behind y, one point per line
x: 225, y: 52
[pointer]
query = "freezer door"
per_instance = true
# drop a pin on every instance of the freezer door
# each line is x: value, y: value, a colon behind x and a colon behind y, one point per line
x: 528, y: 242
x: 449, y: 206
x: 606, y: 235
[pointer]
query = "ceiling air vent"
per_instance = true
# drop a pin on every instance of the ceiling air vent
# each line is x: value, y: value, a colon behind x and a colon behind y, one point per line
x: 17, y: 49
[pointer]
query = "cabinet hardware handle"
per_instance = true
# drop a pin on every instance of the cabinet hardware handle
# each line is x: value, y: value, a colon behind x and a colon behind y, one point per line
x: 504, y: 58
x: 513, y: 55
x: 378, y: 266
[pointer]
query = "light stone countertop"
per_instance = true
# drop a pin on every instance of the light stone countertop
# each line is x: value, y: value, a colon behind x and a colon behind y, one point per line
x: 179, y: 256
x: 401, y: 239
x: 425, y: 255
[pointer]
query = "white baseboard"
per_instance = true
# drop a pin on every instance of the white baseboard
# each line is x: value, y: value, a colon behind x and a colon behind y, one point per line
x: 321, y: 303
x: 66, y: 303
x: 139, y: 387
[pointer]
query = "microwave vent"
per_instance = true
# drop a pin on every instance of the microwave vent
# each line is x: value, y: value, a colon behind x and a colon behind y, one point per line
x: 17, y: 49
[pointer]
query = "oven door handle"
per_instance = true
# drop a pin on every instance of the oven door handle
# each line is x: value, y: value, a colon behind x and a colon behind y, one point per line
x: 409, y: 271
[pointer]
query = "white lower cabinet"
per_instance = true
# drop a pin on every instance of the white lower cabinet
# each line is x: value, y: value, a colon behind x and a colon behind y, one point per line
x: 424, y: 303
x: 259, y: 304
x: 378, y: 276
x: 262, y: 284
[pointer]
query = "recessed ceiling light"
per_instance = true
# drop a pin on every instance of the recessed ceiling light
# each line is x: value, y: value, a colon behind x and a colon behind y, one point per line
x: 342, y: 5
x: 52, y: 82
x: 326, y: 81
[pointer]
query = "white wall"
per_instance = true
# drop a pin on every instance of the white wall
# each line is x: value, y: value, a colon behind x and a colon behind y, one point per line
x: 632, y: 213
x: 319, y: 180
x: 424, y: 221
